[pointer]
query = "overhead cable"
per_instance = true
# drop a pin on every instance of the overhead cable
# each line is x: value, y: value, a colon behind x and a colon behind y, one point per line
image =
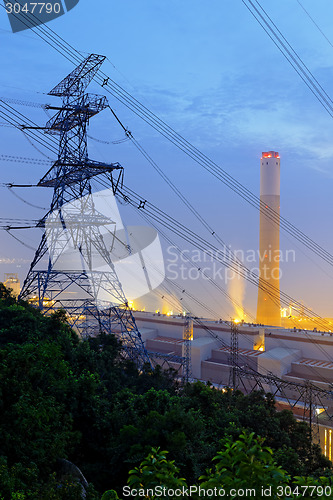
x: 74, y: 56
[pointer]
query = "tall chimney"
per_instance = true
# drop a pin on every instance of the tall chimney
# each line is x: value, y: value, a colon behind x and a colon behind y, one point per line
x: 268, y: 307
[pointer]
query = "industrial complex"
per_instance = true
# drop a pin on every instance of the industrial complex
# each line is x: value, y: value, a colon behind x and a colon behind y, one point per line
x: 299, y: 357
x: 286, y: 355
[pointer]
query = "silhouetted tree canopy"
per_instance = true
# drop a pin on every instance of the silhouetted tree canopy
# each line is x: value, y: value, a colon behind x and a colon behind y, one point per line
x: 63, y: 398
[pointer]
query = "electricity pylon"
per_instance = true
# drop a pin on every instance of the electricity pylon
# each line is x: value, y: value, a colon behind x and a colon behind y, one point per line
x: 187, y: 348
x: 72, y: 240
x: 233, y: 357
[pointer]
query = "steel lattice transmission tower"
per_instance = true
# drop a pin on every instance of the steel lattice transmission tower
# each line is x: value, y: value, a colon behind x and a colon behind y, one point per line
x: 187, y: 348
x: 93, y: 299
x: 233, y: 356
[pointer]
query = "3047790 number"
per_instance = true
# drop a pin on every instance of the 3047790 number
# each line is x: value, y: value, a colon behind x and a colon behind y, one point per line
x: 33, y: 8
x: 302, y: 490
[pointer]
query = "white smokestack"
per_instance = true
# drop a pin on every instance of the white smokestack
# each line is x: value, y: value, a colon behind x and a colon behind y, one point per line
x: 268, y: 308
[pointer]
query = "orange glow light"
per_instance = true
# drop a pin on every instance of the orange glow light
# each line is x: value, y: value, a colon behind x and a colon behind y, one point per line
x: 270, y: 154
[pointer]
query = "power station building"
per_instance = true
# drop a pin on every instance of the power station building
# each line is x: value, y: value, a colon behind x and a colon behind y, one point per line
x: 298, y: 357
x: 12, y: 282
x: 268, y: 307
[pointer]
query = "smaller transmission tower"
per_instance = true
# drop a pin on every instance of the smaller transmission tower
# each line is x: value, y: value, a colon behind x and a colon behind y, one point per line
x: 233, y: 357
x: 187, y: 346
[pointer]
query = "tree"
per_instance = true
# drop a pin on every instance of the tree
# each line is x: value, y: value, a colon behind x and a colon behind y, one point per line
x: 227, y: 413
x: 64, y: 398
x: 243, y: 468
x: 154, y: 472
x: 245, y: 465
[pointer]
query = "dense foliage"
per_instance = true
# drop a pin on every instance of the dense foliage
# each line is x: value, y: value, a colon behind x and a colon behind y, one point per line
x: 65, y: 400
x: 243, y: 468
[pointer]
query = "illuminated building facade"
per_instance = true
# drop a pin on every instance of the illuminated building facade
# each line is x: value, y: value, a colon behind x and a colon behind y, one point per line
x: 12, y: 282
x: 302, y: 358
x: 268, y: 307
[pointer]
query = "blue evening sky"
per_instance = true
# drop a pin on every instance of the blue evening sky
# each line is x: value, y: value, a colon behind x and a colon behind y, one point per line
x: 208, y: 70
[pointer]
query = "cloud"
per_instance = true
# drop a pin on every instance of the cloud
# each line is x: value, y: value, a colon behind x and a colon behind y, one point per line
x: 249, y: 109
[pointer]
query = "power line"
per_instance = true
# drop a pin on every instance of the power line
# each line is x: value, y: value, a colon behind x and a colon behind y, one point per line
x: 20, y: 102
x: 8, y: 230
x: 24, y: 159
x: 12, y: 116
x: 70, y: 53
x: 101, y: 141
x: 289, y: 53
x: 10, y: 189
x: 314, y: 22
x: 186, y: 234
x: 106, y: 83
x: 183, y: 292
x: 208, y: 309
x: 234, y: 266
x: 310, y: 244
x: 156, y: 215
